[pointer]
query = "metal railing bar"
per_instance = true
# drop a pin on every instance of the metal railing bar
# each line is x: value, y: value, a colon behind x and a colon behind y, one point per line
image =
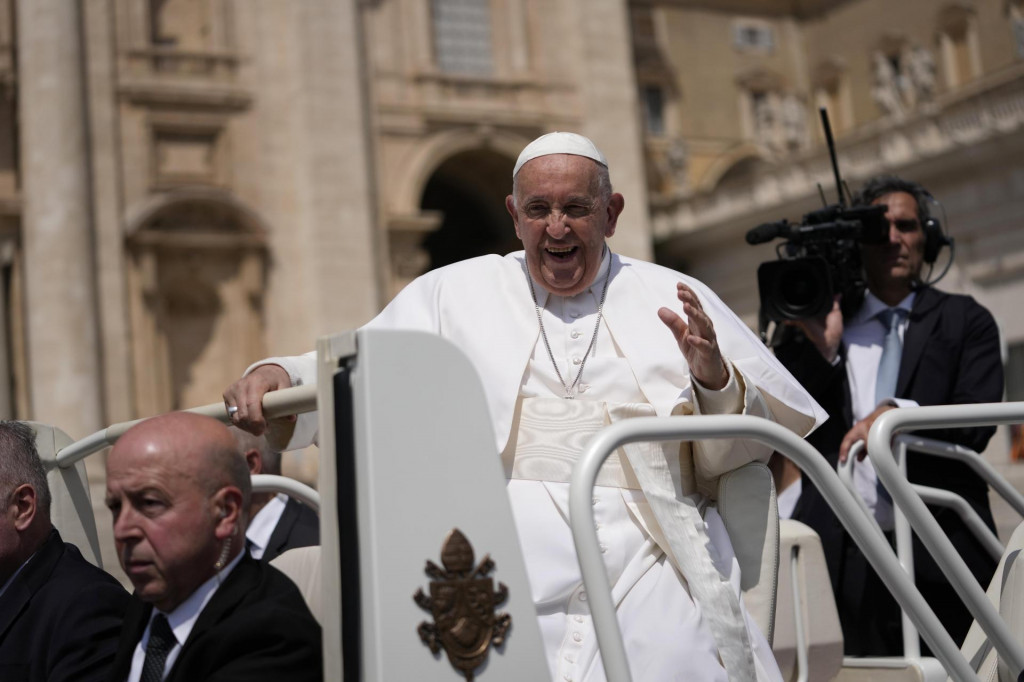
x: 295, y: 400
x: 814, y: 466
x: 880, y: 440
x: 971, y: 518
x: 798, y: 617
x: 845, y: 471
x: 270, y: 483
x: 972, y: 459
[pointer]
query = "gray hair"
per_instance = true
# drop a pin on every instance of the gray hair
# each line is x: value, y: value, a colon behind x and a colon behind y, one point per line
x: 20, y: 464
x: 880, y: 185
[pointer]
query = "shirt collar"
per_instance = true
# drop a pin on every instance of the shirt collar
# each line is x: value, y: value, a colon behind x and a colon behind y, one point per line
x: 873, y: 305
x: 263, y: 524
x: 183, y: 618
x: 593, y: 290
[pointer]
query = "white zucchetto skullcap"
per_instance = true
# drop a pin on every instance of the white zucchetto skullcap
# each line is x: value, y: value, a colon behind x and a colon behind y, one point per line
x: 559, y: 143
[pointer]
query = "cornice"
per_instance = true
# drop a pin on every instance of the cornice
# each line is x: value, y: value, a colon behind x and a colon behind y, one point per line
x: 990, y: 109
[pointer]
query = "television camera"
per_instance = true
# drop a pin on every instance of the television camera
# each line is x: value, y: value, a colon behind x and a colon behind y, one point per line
x: 820, y: 256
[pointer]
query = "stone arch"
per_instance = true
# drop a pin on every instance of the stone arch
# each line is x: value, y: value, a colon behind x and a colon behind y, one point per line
x: 731, y: 164
x: 438, y: 149
x: 218, y: 204
x: 450, y: 202
x: 197, y: 275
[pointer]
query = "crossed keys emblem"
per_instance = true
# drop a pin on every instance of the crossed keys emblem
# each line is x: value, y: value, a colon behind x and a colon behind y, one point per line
x: 462, y: 600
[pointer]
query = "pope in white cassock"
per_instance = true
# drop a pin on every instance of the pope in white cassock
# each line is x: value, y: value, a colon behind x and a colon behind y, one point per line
x: 566, y: 318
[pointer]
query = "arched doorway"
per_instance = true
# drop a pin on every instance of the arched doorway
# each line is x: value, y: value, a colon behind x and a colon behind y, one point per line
x: 197, y: 277
x: 468, y: 193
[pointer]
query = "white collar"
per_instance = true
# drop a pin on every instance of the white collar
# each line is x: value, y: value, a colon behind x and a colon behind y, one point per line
x: 873, y: 305
x: 263, y: 524
x: 184, y: 617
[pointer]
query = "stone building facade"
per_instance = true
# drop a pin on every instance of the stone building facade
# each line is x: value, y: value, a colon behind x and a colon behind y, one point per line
x: 929, y: 90
x: 189, y: 185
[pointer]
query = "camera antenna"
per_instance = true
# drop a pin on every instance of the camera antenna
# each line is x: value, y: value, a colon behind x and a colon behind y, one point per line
x: 832, y: 154
x: 821, y: 193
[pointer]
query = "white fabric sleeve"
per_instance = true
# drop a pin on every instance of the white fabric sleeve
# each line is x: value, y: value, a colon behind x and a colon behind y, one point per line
x: 726, y: 400
x: 716, y: 456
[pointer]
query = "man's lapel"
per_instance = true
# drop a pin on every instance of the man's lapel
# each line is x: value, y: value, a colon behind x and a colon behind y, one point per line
x: 12, y: 604
x: 31, y: 578
x: 923, y: 317
x: 279, y: 536
x: 136, y: 618
x: 232, y: 591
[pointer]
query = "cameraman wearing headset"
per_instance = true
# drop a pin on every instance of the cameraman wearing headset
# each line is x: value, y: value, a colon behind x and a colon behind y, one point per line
x: 901, y: 343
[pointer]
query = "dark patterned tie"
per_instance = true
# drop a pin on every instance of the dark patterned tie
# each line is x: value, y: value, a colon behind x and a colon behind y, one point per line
x: 161, y: 641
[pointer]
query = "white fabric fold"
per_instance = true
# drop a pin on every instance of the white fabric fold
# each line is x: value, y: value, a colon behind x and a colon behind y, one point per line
x: 546, y: 450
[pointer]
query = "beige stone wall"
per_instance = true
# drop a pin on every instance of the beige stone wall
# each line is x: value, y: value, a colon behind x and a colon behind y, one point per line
x: 283, y: 148
x: 963, y: 140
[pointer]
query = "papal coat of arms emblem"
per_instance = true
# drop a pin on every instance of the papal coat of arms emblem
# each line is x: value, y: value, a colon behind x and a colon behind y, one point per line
x: 462, y: 600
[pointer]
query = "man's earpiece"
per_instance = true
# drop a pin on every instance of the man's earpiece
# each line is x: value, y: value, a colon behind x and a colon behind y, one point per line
x: 934, y: 239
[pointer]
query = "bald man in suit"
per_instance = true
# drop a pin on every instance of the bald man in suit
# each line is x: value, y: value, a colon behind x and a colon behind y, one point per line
x: 179, y: 494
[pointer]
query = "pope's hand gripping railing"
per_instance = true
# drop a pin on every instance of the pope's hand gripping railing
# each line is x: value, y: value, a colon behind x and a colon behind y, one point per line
x: 927, y: 528
x: 789, y: 444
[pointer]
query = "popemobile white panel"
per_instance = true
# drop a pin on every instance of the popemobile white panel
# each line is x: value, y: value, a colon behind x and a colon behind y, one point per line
x: 425, y: 464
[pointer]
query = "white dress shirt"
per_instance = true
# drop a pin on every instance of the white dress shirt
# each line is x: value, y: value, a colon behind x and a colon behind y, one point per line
x: 863, y: 336
x: 181, y: 620
x: 263, y: 524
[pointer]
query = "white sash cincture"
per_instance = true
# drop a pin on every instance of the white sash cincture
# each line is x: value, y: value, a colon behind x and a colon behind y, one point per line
x: 548, y: 436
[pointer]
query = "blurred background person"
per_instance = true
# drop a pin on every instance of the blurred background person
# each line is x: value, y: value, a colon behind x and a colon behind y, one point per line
x: 277, y: 523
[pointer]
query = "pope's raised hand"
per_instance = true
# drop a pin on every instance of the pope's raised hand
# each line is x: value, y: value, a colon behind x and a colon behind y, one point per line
x: 696, y: 339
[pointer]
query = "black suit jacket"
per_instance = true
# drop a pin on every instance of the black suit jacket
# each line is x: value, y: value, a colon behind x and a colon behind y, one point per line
x: 299, y: 526
x: 950, y: 356
x: 60, y: 618
x: 255, y: 627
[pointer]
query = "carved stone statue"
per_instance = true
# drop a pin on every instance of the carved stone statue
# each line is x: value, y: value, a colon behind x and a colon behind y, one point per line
x: 794, y: 122
x: 887, y: 86
x: 922, y: 72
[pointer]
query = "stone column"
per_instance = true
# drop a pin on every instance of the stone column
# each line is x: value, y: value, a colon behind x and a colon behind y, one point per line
x: 64, y: 372
x: 611, y: 114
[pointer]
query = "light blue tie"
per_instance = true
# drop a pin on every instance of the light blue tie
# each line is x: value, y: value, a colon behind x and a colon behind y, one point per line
x: 892, y: 348
x: 889, y: 366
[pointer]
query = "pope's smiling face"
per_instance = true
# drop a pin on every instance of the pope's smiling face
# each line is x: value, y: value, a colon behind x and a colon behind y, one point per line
x: 563, y: 216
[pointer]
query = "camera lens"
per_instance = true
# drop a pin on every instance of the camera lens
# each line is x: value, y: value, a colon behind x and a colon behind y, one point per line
x: 795, y: 289
x: 799, y: 287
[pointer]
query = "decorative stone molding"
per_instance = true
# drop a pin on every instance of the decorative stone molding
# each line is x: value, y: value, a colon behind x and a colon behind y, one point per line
x: 204, y: 95
x: 992, y: 109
